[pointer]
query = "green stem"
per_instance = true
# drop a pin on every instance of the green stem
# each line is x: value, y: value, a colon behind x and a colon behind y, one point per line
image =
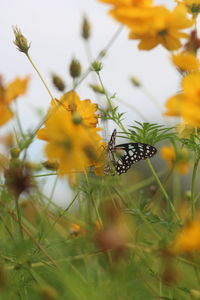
x: 19, y: 217
x: 39, y: 74
x: 194, y: 175
x: 100, y: 55
x: 104, y: 91
x: 118, y: 122
x: 163, y: 190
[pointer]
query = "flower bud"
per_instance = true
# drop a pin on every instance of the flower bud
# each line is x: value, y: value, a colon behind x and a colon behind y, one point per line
x: 85, y: 29
x: 20, y: 41
x: 195, y: 294
x: 97, y: 88
x: 49, y: 293
x: 97, y: 66
x: 75, y: 68
x: 58, y: 82
x: 50, y: 165
x: 14, y: 152
x: 135, y: 82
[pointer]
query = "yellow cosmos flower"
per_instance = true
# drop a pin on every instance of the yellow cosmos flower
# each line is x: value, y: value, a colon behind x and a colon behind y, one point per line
x: 188, y: 240
x: 193, y: 6
x: 9, y: 93
x: 165, y: 29
x: 73, y: 139
x: 133, y: 3
x: 155, y: 25
x: 81, y: 110
x: 187, y: 103
x: 184, y: 130
x: 178, y: 160
x: 186, y: 62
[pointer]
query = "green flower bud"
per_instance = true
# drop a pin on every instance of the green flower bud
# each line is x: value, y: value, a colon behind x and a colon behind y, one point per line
x: 75, y: 68
x: 85, y: 29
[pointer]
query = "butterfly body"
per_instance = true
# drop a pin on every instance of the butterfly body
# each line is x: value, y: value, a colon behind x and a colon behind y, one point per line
x: 123, y: 156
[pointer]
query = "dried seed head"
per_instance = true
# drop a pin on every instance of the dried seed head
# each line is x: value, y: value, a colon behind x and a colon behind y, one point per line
x: 18, y: 178
x: 20, y: 41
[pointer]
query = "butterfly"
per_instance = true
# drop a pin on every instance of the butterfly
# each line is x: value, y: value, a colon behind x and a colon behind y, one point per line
x: 122, y: 157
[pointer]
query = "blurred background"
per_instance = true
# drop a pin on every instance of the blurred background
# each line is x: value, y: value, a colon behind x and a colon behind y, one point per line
x: 54, y: 30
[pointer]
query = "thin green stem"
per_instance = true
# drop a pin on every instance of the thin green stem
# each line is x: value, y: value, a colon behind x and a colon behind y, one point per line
x: 39, y: 74
x: 163, y: 190
x: 194, y: 175
x: 100, y: 55
x: 19, y: 217
x: 104, y: 91
x: 118, y: 122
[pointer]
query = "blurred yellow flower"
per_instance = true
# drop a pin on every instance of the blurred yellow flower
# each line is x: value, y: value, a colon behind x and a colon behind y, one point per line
x: 178, y: 160
x: 164, y: 28
x: 184, y: 130
x: 187, y: 103
x: 73, y: 139
x: 193, y: 6
x: 186, y: 61
x: 129, y: 3
x: 188, y: 239
x: 9, y: 93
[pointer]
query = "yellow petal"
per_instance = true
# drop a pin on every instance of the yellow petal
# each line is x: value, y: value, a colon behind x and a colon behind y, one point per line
x: 16, y: 88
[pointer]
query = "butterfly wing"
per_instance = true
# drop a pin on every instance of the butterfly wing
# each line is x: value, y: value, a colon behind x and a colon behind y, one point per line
x: 109, y: 169
x: 132, y: 153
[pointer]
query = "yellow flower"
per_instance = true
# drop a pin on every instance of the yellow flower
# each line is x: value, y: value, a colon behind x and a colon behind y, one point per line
x: 155, y: 25
x: 186, y: 61
x: 187, y: 103
x: 178, y: 160
x: 193, y: 6
x: 188, y: 239
x: 129, y: 3
x: 82, y: 110
x: 9, y: 93
x: 73, y: 139
x: 165, y: 29
x: 184, y: 130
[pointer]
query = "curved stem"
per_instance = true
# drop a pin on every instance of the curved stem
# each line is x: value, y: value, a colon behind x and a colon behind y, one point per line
x: 32, y: 63
x: 163, y: 190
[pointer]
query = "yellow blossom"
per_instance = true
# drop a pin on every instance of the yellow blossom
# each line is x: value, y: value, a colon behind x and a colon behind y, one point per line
x: 73, y: 139
x: 164, y: 30
x: 188, y: 239
x: 9, y: 93
x: 155, y: 25
x: 193, y: 6
x: 187, y: 103
x: 83, y: 108
x: 178, y: 160
x: 129, y: 3
x: 186, y: 61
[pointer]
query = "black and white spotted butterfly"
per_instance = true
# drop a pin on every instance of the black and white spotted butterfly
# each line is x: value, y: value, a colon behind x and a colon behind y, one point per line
x: 122, y: 157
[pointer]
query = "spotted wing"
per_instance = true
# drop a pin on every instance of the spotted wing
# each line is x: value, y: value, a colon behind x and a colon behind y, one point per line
x: 132, y: 153
x: 109, y: 166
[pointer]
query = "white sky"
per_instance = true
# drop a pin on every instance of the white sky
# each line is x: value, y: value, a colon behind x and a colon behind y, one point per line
x: 53, y: 28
